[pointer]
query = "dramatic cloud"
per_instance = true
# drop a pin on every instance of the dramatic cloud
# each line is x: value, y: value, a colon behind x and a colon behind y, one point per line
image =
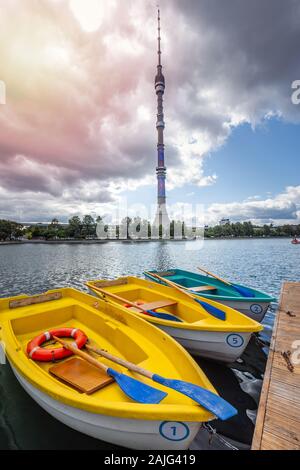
x: 283, y: 208
x: 78, y: 126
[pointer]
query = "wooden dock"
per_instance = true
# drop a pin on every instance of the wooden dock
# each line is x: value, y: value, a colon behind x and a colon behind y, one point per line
x: 278, y: 419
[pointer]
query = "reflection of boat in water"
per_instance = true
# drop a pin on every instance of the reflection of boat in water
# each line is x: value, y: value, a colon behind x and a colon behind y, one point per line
x: 295, y: 241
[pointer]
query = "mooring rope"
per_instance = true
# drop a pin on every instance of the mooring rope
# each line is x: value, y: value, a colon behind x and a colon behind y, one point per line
x: 213, y: 432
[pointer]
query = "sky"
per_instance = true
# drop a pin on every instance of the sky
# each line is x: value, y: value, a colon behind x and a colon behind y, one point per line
x: 77, y: 130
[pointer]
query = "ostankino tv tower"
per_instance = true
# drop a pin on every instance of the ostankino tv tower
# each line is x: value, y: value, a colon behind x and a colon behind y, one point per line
x: 161, y: 217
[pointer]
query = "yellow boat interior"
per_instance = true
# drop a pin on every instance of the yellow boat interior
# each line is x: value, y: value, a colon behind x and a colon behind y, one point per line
x: 153, y: 296
x: 109, y: 327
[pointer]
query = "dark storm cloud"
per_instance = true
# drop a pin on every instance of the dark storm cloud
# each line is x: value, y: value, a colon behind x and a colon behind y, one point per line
x: 81, y: 106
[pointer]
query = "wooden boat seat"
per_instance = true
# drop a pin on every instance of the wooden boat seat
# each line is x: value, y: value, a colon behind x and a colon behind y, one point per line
x: 202, y: 288
x: 159, y: 304
x: 115, y: 282
x: 81, y: 375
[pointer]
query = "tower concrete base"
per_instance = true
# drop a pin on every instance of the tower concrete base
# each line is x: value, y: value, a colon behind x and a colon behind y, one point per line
x: 161, y: 220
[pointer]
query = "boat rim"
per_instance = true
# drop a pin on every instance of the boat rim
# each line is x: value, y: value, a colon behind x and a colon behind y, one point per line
x: 264, y: 298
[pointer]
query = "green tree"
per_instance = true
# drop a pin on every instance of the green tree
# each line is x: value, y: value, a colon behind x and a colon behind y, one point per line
x: 50, y: 233
x: 267, y: 230
x: 75, y: 227
x: 38, y: 231
x: 227, y: 230
x: 258, y: 232
x: 10, y: 230
x: 89, y: 226
x: 61, y: 233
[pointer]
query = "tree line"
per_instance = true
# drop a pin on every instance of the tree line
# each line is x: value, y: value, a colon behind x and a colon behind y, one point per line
x: 247, y: 229
x: 89, y: 228
x: 10, y: 230
x: 86, y: 227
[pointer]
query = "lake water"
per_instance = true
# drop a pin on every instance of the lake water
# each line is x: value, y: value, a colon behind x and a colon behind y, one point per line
x: 31, y: 269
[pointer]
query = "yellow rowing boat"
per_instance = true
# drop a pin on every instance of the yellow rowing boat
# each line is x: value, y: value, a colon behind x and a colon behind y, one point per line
x: 198, y: 331
x: 107, y: 414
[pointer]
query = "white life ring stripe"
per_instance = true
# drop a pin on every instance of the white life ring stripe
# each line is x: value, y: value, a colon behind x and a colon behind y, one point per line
x: 74, y: 332
x: 47, y: 335
x: 33, y: 351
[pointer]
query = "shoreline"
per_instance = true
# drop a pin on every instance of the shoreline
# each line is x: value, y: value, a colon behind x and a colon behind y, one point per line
x: 97, y: 241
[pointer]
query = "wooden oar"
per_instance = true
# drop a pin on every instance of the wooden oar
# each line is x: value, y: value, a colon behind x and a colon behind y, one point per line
x: 241, y: 290
x: 161, y: 315
x: 209, y: 400
x: 133, y: 388
x: 216, y: 312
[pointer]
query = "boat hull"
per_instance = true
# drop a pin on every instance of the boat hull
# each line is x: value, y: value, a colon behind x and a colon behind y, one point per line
x: 124, y: 432
x: 219, y: 346
x: 252, y: 309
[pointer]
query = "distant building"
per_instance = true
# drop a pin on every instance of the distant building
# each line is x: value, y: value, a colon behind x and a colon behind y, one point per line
x: 224, y: 221
x: 43, y: 224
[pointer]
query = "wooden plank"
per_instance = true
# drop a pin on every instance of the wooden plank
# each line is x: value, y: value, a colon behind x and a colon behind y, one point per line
x: 134, y: 309
x: 201, y: 288
x: 289, y: 407
x: 37, y: 299
x: 281, y: 363
x: 278, y: 425
x: 159, y: 304
x: 273, y: 442
x: 284, y: 390
x: 116, y: 282
x: 285, y: 340
x: 288, y: 326
x: 259, y: 425
x: 283, y: 376
x: 81, y: 375
x: 278, y: 420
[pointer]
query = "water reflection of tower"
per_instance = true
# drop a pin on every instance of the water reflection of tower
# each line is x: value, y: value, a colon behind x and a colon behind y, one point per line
x: 161, y: 217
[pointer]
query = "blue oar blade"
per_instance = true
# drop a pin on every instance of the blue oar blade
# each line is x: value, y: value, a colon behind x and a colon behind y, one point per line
x: 136, y: 390
x: 164, y: 316
x: 216, y: 312
x: 209, y: 400
x: 243, y: 291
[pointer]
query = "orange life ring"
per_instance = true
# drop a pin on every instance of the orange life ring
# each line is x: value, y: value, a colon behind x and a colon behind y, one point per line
x: 37, y: 353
